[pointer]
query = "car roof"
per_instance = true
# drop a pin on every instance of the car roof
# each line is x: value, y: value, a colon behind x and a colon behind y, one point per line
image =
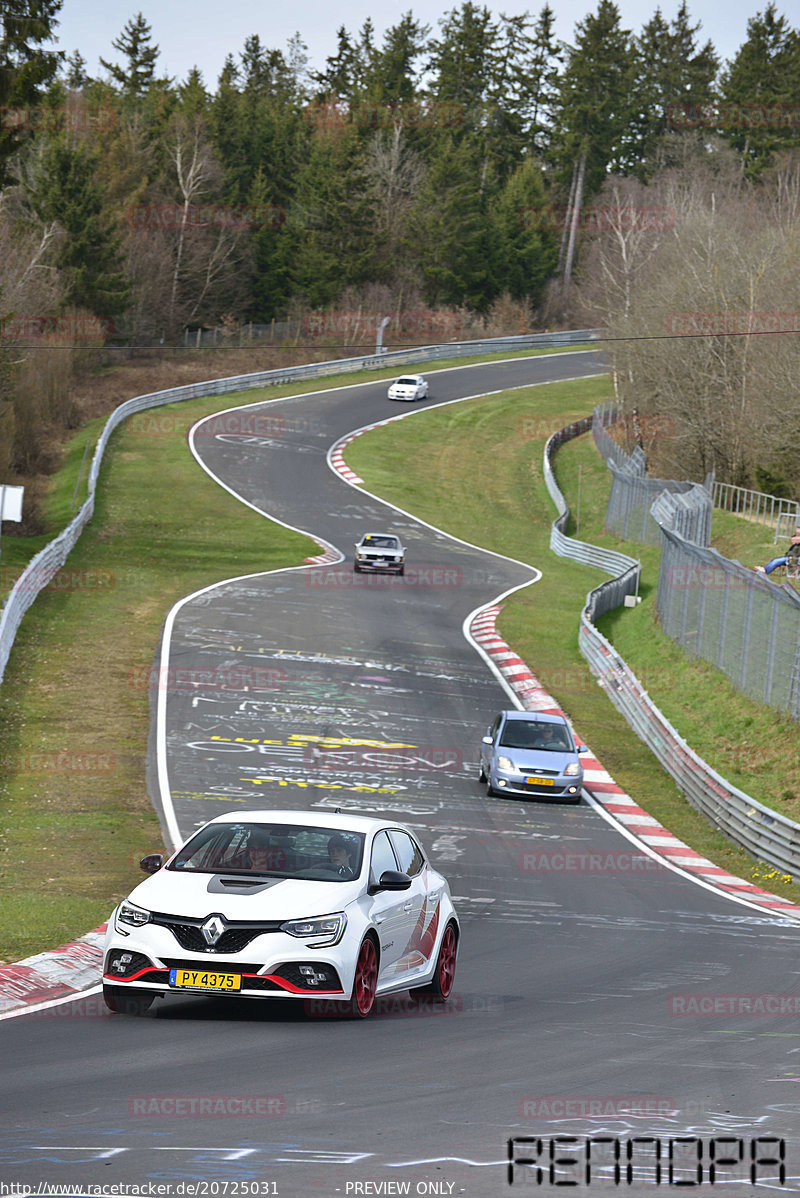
x: 535, y: 717
x: 380, y: 534
x: 336, y: 821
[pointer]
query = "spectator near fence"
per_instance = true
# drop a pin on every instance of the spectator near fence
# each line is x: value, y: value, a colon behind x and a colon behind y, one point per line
x: 792, y: 555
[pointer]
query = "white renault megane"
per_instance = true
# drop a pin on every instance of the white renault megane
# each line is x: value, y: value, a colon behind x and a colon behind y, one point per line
x: 285, y: 904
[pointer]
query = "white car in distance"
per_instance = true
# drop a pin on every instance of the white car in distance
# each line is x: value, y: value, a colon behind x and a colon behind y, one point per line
x: 409, y: 386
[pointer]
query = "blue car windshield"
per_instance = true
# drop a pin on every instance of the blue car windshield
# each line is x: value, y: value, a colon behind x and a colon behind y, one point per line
x: 522, y: 734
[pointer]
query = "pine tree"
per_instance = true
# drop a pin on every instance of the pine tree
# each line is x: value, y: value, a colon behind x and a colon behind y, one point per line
x: 391, y: 78
x: 597, y: 98
x: 76, y: 76
x: 331, y: 220
x: 271, y: 275
x: 192, y: 95
x: 453, y: 236
x: 341, y: 78
x: 527, y: 233
x: 540, y: 79
x: 64, y: 190
x: 760, y: 85
x: 463, y: 59
x: 26, y: 67
x: 674, y: 77
x: 134, y: 43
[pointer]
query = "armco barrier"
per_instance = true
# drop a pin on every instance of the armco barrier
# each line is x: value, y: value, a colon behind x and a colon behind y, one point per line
x: 767, y: 835
x: 625, y: 570
x: 49, y: 560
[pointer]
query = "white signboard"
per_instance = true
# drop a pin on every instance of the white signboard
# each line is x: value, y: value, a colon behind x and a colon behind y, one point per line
x: 11, y: 503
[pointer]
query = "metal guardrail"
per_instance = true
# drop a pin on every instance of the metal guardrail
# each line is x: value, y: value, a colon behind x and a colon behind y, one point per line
x: 43, y: 568
x: 766, y: 834
x: 625, y: 570
x: 756, y: 506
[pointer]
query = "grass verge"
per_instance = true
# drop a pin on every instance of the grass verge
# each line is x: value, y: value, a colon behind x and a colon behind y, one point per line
x: 430, y: 465
x: 75, y: 813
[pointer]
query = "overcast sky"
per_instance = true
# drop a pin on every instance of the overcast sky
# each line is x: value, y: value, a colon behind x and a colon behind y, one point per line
x: 203, y: 32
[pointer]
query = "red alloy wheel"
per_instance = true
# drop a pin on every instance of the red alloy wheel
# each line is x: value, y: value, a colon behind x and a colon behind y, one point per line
x: 446, y: 966
x: 366, y: 979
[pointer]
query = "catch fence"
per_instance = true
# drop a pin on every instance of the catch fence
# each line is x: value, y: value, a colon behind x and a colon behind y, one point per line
x: 633, y: 491
x: 766, y: 834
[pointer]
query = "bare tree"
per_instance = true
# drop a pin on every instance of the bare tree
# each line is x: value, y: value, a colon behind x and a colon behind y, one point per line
x: 704, y: 317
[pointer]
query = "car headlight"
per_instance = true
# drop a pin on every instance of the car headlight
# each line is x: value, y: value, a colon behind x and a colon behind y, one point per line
x: 131, y: 916
x: 505, y: 763
x: 329, y: 927
x: 572, y: 769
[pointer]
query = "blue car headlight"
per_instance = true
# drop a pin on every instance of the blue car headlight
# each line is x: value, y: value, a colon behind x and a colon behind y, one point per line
x: 572, y: 769
x: 505, y: 763
x: 324, y: 930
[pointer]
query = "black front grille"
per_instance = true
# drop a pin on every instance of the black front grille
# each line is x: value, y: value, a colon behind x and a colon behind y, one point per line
x: 189, y: 935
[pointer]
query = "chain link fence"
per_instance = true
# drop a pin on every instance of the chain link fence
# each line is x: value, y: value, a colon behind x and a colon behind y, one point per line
x: 781, y: 514
x: 633, y: 491
x: 738, y: 620
x: 766, y: 834
x: 625, y: 570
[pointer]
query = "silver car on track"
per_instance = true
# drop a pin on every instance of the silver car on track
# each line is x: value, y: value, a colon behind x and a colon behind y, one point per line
x: 380, y: 551
x: 532, y: 753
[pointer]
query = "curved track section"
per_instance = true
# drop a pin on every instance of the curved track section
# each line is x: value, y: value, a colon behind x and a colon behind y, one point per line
x: 596, y: 995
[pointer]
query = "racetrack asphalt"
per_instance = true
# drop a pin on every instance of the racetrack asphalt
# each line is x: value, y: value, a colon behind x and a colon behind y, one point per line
x: 618, y: 1000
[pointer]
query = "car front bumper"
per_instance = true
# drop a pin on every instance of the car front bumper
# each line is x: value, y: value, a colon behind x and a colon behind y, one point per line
x: 560, y: 787
x: 380, y: 563
x: 271, y: 966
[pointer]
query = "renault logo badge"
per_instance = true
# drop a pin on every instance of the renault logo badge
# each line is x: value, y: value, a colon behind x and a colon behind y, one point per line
x: 212, y: 929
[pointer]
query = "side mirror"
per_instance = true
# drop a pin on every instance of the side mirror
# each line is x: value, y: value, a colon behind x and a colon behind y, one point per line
x: 152, y: 863
x: 391, y: 879
x: 583, y: 748
x: 487, y: 740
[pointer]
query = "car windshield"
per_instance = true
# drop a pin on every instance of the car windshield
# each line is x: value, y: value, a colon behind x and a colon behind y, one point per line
x: 274, y: 850
x: 407, y: 382
x: 529, y: 734
x: 378, y: 542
